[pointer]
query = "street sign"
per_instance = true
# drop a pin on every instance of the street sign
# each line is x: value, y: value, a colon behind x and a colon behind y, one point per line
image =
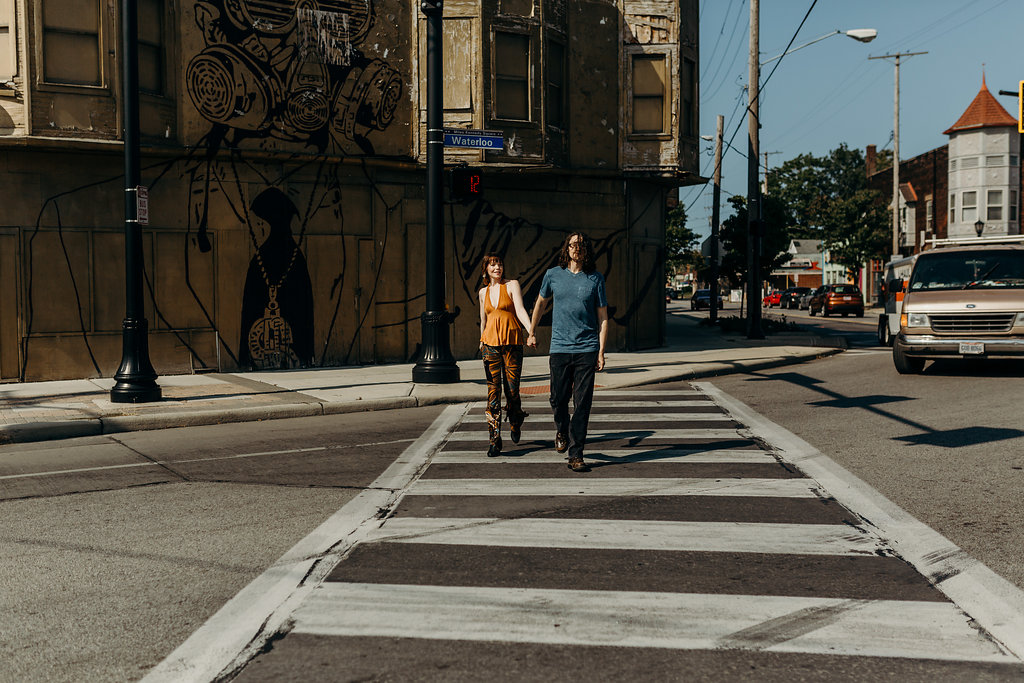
x: 142, y: 205
x: 473, y: 139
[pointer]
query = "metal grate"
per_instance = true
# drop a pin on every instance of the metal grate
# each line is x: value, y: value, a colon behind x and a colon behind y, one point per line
x: 973, y: 322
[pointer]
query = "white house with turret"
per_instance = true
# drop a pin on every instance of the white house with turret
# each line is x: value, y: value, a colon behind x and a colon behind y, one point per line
x: 984, y: 170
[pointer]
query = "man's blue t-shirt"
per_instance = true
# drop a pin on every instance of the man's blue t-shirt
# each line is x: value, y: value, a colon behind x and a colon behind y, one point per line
x: 577, y: 296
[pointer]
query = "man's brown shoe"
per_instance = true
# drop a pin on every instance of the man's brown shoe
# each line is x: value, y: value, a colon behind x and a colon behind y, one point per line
x: 577, y: 465
x: 561, y: 442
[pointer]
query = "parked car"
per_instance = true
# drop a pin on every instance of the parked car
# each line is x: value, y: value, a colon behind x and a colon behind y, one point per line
x: 805, y: 300
x: 702, y: 299
x: 791, y: 297
x: 845, y: 299
x: 772, y: 298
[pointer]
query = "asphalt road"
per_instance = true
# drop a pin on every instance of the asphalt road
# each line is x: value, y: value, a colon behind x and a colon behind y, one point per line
x: 946, y: 445
x: 115, y: 549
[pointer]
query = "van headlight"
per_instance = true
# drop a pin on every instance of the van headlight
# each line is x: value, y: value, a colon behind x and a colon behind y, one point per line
x: 1019, y: 320
x: 917, y: 320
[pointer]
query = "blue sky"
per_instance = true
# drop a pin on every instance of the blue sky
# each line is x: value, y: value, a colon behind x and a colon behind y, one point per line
x: 830, y: 92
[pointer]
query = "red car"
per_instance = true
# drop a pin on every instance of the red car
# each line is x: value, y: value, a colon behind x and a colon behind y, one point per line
x: 772, y: 299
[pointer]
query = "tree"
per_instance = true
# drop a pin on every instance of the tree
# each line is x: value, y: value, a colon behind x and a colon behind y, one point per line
x: 680, y: 241
x: 776, y: 220
x: 830, y: 201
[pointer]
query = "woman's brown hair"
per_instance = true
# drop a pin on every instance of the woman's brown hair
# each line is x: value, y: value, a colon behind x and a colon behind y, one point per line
x: 490, y: 258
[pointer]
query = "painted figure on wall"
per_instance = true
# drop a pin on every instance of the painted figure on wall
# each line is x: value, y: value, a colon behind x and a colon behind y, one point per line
x: 277, y: 303
x: 290, y: 69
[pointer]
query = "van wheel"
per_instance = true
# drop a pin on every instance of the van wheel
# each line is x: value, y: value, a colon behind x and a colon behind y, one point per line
x: 882, y: 333
x: 906, y: 365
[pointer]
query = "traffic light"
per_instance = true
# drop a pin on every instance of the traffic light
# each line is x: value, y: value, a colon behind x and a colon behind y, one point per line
x: 466, y: 183
x: 1020, y: 107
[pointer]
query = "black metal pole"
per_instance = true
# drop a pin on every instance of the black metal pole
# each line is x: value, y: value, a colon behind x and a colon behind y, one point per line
x: 436, y: 365
x: 135, y: 378
x: 754, y: 330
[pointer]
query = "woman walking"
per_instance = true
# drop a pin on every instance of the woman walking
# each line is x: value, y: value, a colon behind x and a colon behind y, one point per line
x: 503, y: 319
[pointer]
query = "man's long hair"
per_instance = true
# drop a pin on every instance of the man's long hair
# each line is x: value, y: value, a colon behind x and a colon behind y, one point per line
x: 586, y: 254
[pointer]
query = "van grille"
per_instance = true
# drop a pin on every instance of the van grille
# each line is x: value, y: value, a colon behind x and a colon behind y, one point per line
x: 959, y: 323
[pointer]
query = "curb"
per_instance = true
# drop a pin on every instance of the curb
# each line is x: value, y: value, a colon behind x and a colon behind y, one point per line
x: 115, y: 424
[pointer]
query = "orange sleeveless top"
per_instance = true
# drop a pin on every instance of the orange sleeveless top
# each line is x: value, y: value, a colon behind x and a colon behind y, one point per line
x: 502, y: 327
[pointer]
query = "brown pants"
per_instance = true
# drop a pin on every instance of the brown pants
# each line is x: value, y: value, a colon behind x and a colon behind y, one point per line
x: 503, y: 366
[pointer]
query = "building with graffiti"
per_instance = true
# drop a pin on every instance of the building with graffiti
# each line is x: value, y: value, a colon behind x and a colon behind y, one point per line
x: 283, y: 148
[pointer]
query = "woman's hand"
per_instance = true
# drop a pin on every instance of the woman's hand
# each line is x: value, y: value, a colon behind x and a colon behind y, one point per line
x: 531, y: 341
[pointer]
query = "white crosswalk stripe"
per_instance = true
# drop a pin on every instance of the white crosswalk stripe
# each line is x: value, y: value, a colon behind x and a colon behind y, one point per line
x: 614, y: 455
x: 775, y: 488
x: 631, y: 432
x: 737, y: 537
x: 884, y: 628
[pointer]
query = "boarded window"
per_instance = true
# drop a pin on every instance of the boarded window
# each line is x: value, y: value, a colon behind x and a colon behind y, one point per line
x: 554, y: 96
x: 994, y: 205
x: 994, y: 160
x: 952, y: 208
x: 969, y: 213
x: 1013, y: 205
x: 8, y: 58
x: 969, y: 162
x: 71, y: 42
x: 649, y: 94
x: 511, y: 76
x: 151, y: 46
x: 952, y: 164
x: 458, y: 64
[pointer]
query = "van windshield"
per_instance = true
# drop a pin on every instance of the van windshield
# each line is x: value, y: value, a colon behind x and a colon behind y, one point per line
x: 980, y: 269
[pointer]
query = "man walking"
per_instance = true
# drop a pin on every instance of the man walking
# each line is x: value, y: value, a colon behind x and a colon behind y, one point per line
x: 579, y: 328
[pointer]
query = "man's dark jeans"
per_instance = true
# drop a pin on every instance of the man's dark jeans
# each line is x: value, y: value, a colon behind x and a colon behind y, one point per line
x: 572, y: 374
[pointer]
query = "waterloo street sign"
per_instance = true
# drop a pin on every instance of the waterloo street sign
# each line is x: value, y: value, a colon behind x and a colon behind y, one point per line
x: 473, y: 139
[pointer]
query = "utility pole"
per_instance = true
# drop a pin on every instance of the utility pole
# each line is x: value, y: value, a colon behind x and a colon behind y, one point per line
x: 436, y: 365
x: 716, y: 199
x: 896, y: 151
x: 753, y: 187
x: 135, y: 379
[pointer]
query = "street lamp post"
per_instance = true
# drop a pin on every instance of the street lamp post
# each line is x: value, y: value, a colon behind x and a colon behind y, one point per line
x: 436, y: 365
x: 135, y: 379
x: 979, y: 227
x: 754, y: 222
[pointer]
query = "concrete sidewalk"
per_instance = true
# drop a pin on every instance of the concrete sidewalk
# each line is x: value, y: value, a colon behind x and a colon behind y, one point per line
x: 42, y: 411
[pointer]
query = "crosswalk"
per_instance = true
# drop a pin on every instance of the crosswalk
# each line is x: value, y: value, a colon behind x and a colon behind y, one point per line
x: 694, y: 535
x: 515, y: 550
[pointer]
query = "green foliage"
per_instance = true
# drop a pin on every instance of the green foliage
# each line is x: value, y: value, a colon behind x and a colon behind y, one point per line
x: 776, y: 221
x: 680, y: 241
x: 830, y: 201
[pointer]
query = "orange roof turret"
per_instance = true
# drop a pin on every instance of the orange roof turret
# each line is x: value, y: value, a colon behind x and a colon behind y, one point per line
x: 983, y: 112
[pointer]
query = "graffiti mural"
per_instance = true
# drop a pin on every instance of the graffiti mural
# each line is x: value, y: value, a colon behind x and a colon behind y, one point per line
x: 277, y: 303
x: 291, y: 69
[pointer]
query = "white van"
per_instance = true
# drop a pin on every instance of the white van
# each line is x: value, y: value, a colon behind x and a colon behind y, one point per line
x: 961, y: 302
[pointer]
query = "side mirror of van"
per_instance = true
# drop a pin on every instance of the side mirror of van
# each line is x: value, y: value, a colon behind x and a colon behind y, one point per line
x: 895, y: 285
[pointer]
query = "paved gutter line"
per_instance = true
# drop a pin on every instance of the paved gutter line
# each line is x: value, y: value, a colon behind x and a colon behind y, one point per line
x: 116, y: 424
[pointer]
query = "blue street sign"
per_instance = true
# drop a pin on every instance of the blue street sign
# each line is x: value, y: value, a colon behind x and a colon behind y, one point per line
x: 473, y: 139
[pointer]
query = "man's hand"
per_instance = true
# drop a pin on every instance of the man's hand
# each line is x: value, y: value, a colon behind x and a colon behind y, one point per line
x: 531, y: 341
x: 600, y: 361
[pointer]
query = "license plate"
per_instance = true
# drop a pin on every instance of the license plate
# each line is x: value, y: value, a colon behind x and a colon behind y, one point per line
x: 847, y: 298
x: 967, y: 348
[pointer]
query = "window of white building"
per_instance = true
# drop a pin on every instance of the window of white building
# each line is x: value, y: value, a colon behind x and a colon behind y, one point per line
x: 1013, y: 205
x: 952, y: 208
x: 952, y: 164
x: 1014, y: 160
x: 994, y: 160
x: 969, y: 213
x: 969, y: 162
x: 994, y: 205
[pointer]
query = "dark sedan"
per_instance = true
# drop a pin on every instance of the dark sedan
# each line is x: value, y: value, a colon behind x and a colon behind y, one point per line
x: 702, y: 299
x: 791, y: 297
